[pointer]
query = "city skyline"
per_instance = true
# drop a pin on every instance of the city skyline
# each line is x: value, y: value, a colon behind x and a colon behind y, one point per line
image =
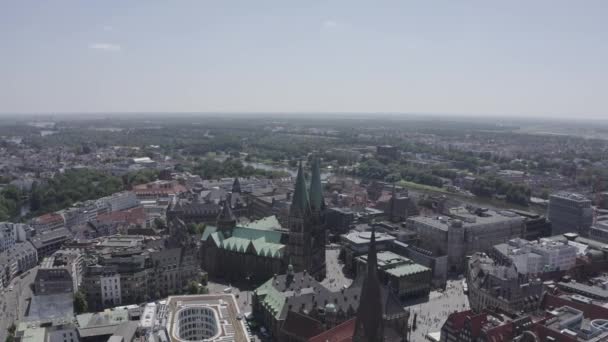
x: 540, y: 59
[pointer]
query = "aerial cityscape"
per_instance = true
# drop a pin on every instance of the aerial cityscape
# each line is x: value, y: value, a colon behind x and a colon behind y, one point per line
x: 318, y: 171
x: 214, y: 227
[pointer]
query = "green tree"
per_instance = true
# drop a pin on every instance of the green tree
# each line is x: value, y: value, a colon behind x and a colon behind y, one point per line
x: 35, y: 197
x: 160, y: 223
x: 193, y: 288
x: 80, y: 303
x: 192, y: 228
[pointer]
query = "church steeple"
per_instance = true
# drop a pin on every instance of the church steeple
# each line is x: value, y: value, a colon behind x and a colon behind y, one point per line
x: 316, y: 189
x: 300, y: 205
x: 226, y: 219
x: 307, y: 240
x: 392, y: 205
x: 236, y: 186
x: 369, y: 324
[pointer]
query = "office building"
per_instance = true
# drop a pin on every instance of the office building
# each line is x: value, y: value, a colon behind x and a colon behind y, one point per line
x: 11, y: 233
x: 570, y: 213
x: 59, y: 273
x: 405, y: 278
x: 464, y: 232
x: 534, y: 257
x: 20, y: 258
x: 213, y: 317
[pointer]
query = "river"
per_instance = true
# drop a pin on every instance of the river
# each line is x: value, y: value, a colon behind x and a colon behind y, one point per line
x: 292, y: 172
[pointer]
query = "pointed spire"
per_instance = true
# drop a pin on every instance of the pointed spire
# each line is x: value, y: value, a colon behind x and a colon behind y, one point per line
x: 226, y: 218
x: 372, y: 258
x: 236, y: 186
x: 316, y: 189
x: 369, y: 325
x: 392, y: 204
x: 300, y: 204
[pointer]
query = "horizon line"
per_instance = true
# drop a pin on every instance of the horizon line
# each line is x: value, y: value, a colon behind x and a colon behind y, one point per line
x: 274, y: 113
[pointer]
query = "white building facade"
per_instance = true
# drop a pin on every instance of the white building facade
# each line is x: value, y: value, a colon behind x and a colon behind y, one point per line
x: 110, y: 289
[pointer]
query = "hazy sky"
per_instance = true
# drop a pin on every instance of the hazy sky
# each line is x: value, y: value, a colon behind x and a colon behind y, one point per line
x: 476, y: 57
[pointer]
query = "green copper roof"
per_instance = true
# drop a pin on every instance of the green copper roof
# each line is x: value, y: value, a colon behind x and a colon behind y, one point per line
x: 254, y: 234
x: 208, y: 231
x: 271, y: 298
x: 300, y: 204
x: 406, y: 270
x: 266, y: 223
x: 262, y: 242
x: 316, y: 190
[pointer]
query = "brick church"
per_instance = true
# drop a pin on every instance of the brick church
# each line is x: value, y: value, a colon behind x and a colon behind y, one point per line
x: 258, y: 250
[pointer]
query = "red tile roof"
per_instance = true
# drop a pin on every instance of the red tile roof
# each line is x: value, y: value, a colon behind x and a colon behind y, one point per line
x: 591, y: 311
x: 457, y: 319
x: 544, y: 332
x: 340, y: 333
x: 49, y: 218
x: 159, y: 188
x: 476, y: 322
x: 301, y: 326
x: 130, y: 216
x: 503, y: 332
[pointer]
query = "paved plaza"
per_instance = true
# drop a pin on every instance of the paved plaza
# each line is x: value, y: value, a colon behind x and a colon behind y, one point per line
x: 433, y: 313
x: 335, y: 278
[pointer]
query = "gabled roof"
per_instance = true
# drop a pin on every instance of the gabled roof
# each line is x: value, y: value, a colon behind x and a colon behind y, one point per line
x: 272, y: 299
x: 265, y: 243
x: 456, y: 319
x: 301, y: 326
x: 301, y: 292
x: 340, y: 333
x: 266, y: 223
x: 208, y: 231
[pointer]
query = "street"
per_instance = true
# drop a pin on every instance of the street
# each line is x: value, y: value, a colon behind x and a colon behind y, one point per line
x: 14, y: 302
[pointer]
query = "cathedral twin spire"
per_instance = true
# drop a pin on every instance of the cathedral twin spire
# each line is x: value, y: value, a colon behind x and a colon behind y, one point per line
x: 316, y: 189
x: 304, y: 203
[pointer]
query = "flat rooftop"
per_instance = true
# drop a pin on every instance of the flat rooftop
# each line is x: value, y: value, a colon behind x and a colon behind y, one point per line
x: 587, y: 290
x: 572, y: 196
x: 226, y: 311
x: 388, y: 259
x: 468, y: 219
x: 363, y: 238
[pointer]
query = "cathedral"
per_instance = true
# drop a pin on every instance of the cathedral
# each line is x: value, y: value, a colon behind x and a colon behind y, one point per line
x: 258, y: 250
x: 307, y: 234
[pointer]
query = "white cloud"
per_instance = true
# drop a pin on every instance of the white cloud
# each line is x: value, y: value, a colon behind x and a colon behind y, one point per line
x: 104, y: 46
x: 330, y: 24
x: 108, y: 28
